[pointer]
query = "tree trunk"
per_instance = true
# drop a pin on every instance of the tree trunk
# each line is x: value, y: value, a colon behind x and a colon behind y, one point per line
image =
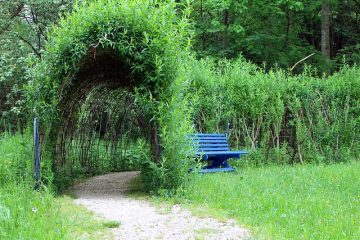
x: 325, y: 30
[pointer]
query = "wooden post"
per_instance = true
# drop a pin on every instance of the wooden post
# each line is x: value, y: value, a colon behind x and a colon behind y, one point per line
x: 155, y: 141
x: 37, y: 152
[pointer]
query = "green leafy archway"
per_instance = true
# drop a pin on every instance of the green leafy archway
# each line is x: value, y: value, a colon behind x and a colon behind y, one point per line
x: 136, y: 45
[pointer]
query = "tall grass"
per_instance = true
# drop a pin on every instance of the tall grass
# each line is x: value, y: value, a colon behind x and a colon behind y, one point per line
x: 27, y: 214
x: 301, y: 202
x: 15, y: 158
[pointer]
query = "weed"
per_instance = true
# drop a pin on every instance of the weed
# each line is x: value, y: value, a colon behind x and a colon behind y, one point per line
x: 111, y: 224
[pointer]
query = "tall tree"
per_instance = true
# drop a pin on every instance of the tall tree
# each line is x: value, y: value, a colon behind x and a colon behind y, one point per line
x: 23, y: 26
x: 278, y: 32
x: 325, y: 30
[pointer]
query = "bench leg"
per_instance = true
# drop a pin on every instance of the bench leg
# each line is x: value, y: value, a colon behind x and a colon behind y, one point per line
x: 225, y: 164
x: 218, y: 163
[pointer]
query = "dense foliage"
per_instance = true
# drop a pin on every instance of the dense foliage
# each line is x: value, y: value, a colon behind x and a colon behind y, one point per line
x: 23, y: 32
x: 280, y: 118
x: 115, y: 76
x: 111, y: 133
x: 277, y: 32
x: 135, y: 45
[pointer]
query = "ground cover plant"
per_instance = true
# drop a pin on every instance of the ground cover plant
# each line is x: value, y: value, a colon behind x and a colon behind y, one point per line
x: 283, y: 202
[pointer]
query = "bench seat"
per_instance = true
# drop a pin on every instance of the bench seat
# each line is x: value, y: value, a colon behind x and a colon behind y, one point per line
x: 214, y: 148
x: 215, y: 170
x: 230, y: 154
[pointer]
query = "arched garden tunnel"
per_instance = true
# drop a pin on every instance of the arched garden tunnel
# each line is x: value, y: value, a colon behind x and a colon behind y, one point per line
x: 109, y: 84
x: 105, y: 125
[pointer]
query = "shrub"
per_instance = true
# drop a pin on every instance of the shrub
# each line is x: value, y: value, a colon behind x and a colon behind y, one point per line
x: 133, y: 44
x: 284, y: 119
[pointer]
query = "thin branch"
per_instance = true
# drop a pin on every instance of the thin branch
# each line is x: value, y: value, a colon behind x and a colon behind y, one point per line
x: 292, y: 68
x: 32, y: 47
x: 25, y: 41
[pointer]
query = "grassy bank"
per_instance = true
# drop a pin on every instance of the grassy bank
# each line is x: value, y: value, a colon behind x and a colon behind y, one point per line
x: 301, y: 202
x: 27, y: 214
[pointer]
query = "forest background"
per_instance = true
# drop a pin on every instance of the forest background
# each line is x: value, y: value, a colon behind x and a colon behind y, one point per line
x: 269, y: 33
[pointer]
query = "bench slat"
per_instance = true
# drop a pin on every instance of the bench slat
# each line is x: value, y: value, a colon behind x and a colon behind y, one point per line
x: 229, y: 154
x: 207, y: 134
x: 213, y: 145
x: 223, y: 152
x: 214, y: 170
x: 213, y: 139
x: 210, y: 141
x: 213, y: 149
x: 199, y: 137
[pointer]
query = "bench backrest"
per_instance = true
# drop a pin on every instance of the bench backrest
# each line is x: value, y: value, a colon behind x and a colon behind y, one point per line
x: 209, y: 142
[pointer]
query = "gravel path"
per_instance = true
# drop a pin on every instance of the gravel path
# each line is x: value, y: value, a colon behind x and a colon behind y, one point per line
x: 106, y: 195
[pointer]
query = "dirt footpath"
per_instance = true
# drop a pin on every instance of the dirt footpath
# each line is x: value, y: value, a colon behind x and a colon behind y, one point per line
x: 106, y: 195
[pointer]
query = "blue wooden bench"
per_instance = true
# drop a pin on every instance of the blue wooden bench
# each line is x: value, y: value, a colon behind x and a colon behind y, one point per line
x: 215, y: 149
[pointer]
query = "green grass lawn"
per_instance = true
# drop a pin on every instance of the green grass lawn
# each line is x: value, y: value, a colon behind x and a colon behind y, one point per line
x: 28, y: 214
x: 284, y: 202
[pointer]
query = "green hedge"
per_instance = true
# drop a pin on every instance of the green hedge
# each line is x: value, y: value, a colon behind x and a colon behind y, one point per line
x: 279, y: 118
x: 150, y: 42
